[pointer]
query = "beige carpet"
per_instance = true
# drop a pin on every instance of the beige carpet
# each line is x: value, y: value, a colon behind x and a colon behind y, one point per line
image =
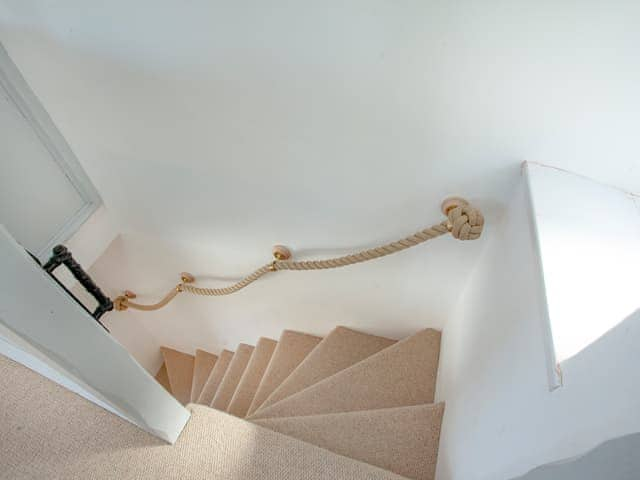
x: 246, y: 391
x: 232, y: 377
x: 215, y: 377
x: 180, y: 371
x: 163, y: 377
x: 292, y: 348
x: 403, y: 440
x: 340, y: 349
x: 403, y: 374
x: 202, y: 367
x: 50, y: 433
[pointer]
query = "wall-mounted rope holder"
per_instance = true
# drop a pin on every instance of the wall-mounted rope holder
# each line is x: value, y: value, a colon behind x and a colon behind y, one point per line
x: 463, y: 221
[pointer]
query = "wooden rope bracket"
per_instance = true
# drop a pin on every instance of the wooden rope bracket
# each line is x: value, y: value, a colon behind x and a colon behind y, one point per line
x: 123, y: 302
x: 450, y: 203
x: 280, y: 252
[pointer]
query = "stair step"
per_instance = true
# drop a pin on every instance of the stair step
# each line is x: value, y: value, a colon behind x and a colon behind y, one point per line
x: 215, y: 377
x: 232, y: 377
x: 340, y: 349
x: 163, y: 378
x: 403, y: 374
x: 291, y: 350
x: 242, y: 398
x: 202, y: 367
x: 180, y: 372
x: 48, y: 432
x: 402, y: 440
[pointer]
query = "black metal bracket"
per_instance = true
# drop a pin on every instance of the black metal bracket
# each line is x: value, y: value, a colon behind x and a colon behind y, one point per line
x: 62, y: 256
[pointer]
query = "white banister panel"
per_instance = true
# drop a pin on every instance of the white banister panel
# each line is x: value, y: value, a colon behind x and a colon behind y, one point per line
x: 37, y: 310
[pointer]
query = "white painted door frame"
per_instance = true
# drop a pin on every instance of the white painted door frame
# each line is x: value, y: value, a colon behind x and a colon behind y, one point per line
x: 21, y: 95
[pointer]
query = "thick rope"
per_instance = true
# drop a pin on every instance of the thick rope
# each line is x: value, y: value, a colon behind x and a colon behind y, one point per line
x: 359, y: 257
x: 464, y: 222
x: 122, y: 302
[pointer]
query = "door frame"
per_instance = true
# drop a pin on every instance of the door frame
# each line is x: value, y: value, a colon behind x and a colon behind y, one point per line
x: 18, y: 91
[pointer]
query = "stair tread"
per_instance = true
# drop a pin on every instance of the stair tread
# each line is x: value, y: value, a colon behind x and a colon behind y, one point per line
x: 202, y: 367
x: 292, y: 348
x: 180, y: 372
x: 232, y: 377
x: 403, y: 374
x: 50, y: 432
x: 248, y: 385
x: 215, y: 377
x: 342, y: 348
x: 163, y: 377
x: 403, y: 440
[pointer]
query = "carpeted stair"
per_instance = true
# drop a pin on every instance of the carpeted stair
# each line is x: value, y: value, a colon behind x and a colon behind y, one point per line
x: 163, y: 377
x: 180, y: 372
x: 232, y: 377
x: 215, y: 377
x: 403, y: 440
x: 291, y: 350
x: 49, y: 432
x: 202, y: 366
x: 400, y: 375
x: 342, y: 348
x: 362, y: 396
x: 251, y: 378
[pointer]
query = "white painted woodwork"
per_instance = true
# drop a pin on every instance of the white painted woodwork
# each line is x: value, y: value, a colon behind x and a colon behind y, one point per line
x: 36, y: 198
x: 38, y: 311
x: 44, y: 194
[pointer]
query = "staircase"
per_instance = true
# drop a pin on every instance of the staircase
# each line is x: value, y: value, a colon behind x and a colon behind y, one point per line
x: 361, y: 396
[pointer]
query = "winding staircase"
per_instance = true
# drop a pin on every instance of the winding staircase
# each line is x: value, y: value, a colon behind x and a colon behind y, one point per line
x: 358, y: 395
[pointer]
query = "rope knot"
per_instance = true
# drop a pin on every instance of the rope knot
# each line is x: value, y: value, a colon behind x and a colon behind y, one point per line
x: 465, y: 222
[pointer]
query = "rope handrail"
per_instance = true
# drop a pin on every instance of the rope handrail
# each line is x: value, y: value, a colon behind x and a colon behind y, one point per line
x: 464, y: 222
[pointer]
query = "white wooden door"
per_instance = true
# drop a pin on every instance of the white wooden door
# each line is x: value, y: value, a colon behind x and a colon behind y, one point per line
x: 44, y: 193
x: 43, y: 321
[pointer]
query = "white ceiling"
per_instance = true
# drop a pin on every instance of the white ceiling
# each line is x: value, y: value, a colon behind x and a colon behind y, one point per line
x: 237, y: 125
x: 231, y: 117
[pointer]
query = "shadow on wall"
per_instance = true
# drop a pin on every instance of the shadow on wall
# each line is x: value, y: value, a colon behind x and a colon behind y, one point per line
x: 501, y: 419
x: 615, y: 459
x: 621, y: 339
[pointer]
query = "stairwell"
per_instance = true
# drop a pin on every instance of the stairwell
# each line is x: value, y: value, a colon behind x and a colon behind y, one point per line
x: 50, y: 432
x: 358, y: 395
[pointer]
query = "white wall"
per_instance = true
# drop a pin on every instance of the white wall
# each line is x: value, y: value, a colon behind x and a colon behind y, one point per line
x: 384, y: 297
x: 614, y: 460
x: 329, y: 126
x: 589, y: 237
x: 88, y: 244
x: 218, y: 130
x: 94, y: 237
x: 501, y: 420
